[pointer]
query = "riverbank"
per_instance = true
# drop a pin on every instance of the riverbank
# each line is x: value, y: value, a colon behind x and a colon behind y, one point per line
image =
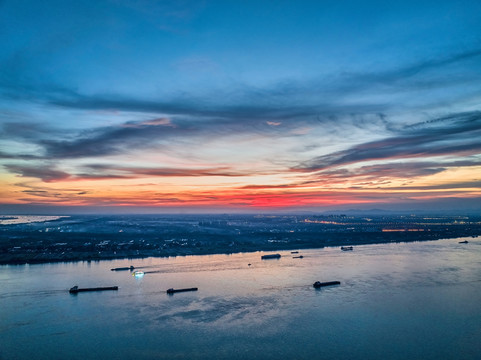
x: 30, y: 257
x: 92, y: 238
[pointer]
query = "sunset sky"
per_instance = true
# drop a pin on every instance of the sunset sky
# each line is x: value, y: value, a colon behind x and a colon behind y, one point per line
x: 232, y: 106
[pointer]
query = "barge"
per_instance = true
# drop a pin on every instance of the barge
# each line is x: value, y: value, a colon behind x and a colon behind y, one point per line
x: 319, y: 284
x: 76, y: 289
x: 173, y: 291
x: 123, y: 268
x: 271, y: 256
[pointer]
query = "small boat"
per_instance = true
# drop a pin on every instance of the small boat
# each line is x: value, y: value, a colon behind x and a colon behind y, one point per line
x: 76, y: 289
x: 298, y: 257
x: 173, y: 291
x: 271, y: 256
x: 463, y: 242
x: 319, y: 284
x: 123, y: 268
x: 138, y: 273
x: 346, y: 248
x: 294, y: 252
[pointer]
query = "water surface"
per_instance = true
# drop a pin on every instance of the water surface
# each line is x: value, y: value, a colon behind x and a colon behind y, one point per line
x: 396, y: 301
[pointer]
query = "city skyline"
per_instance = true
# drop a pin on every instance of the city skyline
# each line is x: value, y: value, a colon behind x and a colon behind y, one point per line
x: 239, y: 106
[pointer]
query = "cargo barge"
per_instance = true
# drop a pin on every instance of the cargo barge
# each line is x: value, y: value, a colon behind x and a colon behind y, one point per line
x: 319, y: 284
x: 271, y: 256
x: 173, y: 291
x: 76, y: 289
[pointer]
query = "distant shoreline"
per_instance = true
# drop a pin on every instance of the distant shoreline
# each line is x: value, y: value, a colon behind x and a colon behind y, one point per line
x: 94, y: 238
x: 4, y: 260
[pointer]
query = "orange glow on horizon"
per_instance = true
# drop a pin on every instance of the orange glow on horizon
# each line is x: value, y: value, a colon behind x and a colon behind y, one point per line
x: 283, y: 191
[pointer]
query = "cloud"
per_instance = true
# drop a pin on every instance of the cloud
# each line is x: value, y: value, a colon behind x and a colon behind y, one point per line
x: 296, y: 104
x: 122, y: 138
x: 461, y: 185
x: 454, y: 134
x: 413, y: 73
x: 4, y: 155
x: 378, y: 176
x: 401, y: 170
x: 47, y: 174
x: 153, y: 122
x: 338, y: 104
x: 189, y: 107
x: 110, y: 140
x: 315, y: 95
x: 391, y: 170
x: 134, y: 172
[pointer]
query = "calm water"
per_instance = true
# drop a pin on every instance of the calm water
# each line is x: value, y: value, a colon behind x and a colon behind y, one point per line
x: 395, y: 301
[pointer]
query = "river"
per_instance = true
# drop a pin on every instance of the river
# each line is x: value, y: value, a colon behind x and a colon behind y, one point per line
x: 395, y: 301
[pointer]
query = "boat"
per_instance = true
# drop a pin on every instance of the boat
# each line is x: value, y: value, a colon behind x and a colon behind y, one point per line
x: 123, y: 268
x: 138, y: 273
x: 298, y: 257
x: 271, y: 256
x: 463, y: 242
x: 173, y: 291
x: 294, y: 252
x: 319, y: 284
x: 346, y: 248
x: 76, y: 289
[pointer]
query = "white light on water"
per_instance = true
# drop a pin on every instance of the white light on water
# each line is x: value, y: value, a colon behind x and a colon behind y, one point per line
x: 138, y: 274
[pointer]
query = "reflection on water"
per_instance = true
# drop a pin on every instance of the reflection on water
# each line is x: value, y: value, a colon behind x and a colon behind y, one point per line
x: 395, y: 301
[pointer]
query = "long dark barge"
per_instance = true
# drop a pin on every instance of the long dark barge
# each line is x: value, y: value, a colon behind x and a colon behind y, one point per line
x: 271, y: 256
x: 123, y: 268
x: 76, y: 289
x: 319, y: 284
x: 173, y: 291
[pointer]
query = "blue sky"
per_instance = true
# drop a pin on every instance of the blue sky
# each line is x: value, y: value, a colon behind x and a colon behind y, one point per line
x: 245, y: 105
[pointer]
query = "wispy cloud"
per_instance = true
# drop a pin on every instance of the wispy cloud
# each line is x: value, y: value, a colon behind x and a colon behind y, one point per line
x: 49, y: 173
x: 455, y: 134
x: 110, y: 140
x: 394, y: 170
x: 136, y: 172
x: 289, y: 99
x: 46, y: 174
x: 312, y: 99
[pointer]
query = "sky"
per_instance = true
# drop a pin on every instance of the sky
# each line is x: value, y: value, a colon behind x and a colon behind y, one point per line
x: 239, y: 106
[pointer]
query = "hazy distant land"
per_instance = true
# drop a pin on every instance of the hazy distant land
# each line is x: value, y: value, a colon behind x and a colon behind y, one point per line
x: 84, y: 238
